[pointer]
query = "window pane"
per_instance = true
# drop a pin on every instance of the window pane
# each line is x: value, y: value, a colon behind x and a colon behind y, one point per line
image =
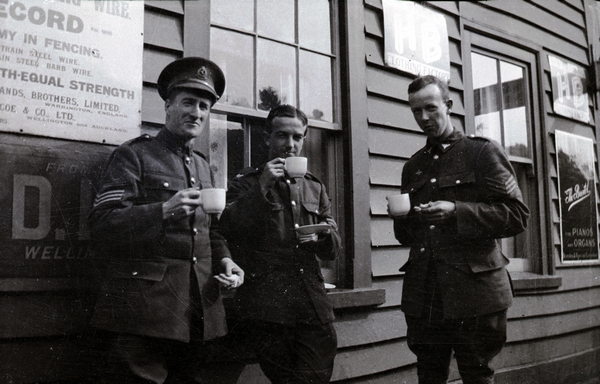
x: 516, y: 139
x: 486, y: 94
x: 485, y: 71
x: 315, y: 86
x: 315, y: 150
x: 276, y: 75
x: 233, y: 52
x: 259, y: 152
x: 314, y: 29
x: 235, y: 149
x: 233, y: 13
x: 276, y: 19
x: 488, y: 125
x: 515, y: 132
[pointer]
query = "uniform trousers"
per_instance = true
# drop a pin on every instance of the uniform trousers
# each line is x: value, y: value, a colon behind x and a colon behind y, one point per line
x: 137, y: 359
x: 475, y: 340
x: 298, y: 354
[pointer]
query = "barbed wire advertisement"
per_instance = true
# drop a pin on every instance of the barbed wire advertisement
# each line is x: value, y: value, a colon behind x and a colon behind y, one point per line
x: 72, y: 69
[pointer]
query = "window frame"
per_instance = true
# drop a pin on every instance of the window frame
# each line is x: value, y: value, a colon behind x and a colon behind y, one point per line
x: 480, y: 39
x: 525, y: 164
x: 334, y: 55
x: 335, y: 171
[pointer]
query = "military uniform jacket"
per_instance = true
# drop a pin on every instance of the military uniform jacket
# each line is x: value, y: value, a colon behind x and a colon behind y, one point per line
x: 283, y: 282
x: 475, y: 174
x: 151, y: 262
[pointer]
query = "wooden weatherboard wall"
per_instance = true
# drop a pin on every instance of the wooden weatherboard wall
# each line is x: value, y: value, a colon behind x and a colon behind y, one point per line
x: 553, y: 333
x: 554, y: 329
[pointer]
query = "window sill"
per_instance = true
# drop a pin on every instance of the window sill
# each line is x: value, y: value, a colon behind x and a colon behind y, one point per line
x: 354, y: 298
x: 524, y: 282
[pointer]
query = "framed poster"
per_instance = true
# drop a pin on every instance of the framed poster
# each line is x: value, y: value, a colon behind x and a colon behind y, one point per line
x: 72, y: 69
x: 577, y: 198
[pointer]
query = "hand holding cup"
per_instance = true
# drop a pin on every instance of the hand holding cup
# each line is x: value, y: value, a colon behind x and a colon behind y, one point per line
x: 213, y: 200
x: 295, y: 166
x: 398, y: 205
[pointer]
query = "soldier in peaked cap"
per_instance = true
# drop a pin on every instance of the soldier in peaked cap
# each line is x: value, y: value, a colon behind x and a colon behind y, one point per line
x: 166, y: 258
x: 192, y: 73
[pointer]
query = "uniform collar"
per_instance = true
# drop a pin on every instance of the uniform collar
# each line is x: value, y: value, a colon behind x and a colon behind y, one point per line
x: 174, y: 143
x: 446, y: 143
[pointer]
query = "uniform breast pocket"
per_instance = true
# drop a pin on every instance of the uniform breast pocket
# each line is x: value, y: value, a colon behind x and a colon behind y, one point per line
x: 159, y: 187
x: 310, y: 214
x: 416, y: 191
x: 458, y: 186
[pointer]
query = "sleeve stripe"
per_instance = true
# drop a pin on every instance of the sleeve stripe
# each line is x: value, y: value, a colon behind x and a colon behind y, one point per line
x: 109, y: 196
x: 507, y: 186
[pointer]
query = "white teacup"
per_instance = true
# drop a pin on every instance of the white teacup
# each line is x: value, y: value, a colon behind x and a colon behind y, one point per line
x: 213, y: 200
x: 399, y: 204
x: 295, y: 166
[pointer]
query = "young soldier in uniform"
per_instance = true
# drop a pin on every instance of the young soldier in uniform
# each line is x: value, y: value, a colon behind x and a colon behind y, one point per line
x: 456, y: 288
x: 286, y: 314
x: 159, y: 298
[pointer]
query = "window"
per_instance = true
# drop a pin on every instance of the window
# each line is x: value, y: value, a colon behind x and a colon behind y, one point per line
x: 277, y: 52
x: 503, y: 90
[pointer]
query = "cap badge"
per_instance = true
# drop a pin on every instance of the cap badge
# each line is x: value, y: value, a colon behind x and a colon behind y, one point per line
x: 202, y: 73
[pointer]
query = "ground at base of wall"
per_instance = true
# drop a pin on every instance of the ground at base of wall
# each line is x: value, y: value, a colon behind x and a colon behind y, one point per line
x: 591, y: 381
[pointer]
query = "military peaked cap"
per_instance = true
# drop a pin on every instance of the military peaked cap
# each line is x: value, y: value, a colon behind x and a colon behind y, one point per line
x: 192, y: 72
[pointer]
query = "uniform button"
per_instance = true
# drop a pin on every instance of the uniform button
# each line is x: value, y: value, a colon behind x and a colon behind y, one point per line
x: 457, y: 181
x: 134, y: 273
x: 193, y: 180
x: 435, y: 157
x: 296, y: 226
x: 194, y: 259
x: 188, y: 160
x: 433, y: 180
x: 166, y: 185
x: 432, y: 226
x: 301, y: 270
x: 316, y: 211
x: 195, y: 230
x: 293, y: 203
x: 422, y: 250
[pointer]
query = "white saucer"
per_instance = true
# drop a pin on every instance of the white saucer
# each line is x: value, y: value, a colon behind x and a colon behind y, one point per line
x: 315, y: 228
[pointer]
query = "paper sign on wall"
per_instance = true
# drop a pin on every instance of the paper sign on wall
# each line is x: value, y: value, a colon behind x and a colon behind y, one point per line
x: 71, y: 69
x: 416, y: 39
x: 569, y: 89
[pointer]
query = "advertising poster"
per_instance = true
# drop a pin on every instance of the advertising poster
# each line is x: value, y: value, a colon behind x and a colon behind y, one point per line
x: 577, y: 192
x: 71, y: 69
x: 416, y: 39
x: 569, y: 89
x: 47, y: 194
